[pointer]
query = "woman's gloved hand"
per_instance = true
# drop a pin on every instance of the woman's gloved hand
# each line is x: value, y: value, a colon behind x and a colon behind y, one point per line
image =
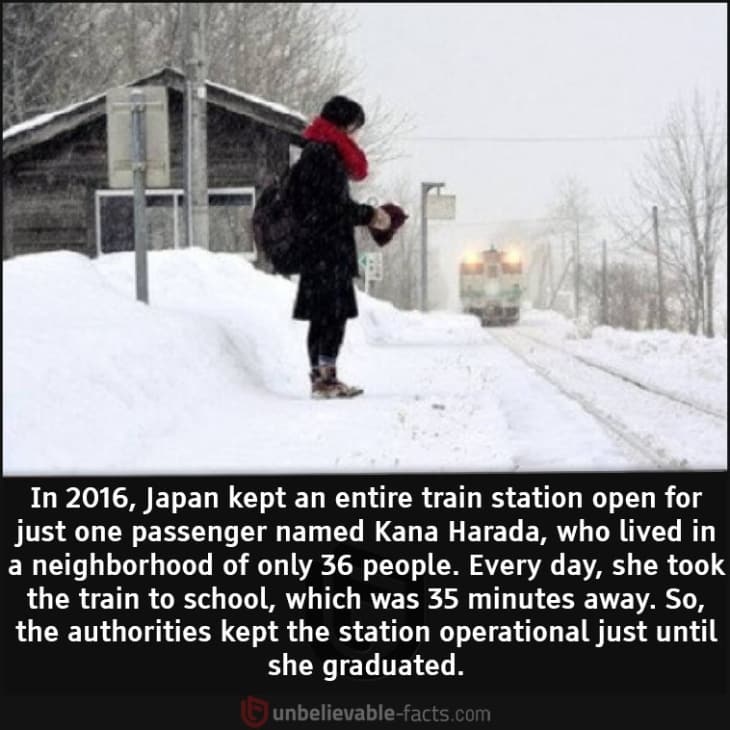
x: 381, y: 220
x: 396, y: 217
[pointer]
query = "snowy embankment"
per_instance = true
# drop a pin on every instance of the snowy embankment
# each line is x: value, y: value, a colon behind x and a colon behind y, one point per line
x: 212, y: 377
x: 693, y: 368
x: 95, y: 381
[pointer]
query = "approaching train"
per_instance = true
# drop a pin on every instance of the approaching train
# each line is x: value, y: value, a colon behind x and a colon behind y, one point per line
x: 490, y: 286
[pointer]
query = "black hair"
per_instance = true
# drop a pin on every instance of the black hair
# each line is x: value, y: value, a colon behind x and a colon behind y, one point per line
x: 343, y: 112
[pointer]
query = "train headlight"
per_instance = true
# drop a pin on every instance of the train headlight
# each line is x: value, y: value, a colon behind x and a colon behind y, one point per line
x: 512, y: 257
x: 471, y: 257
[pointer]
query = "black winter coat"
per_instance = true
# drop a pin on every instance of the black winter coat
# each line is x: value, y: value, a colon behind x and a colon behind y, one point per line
x: 319, y: 194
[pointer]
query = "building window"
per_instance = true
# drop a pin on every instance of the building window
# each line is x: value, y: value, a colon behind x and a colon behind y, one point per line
x: 229, y: 210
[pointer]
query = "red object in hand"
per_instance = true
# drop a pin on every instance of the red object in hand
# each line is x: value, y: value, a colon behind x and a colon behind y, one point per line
x: 397, y: 218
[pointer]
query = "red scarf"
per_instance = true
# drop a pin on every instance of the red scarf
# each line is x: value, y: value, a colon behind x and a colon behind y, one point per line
x: 356, y: 164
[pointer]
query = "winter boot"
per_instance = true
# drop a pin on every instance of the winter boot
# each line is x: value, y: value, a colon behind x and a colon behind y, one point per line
x: 315, y: 378
x: 326, y: 385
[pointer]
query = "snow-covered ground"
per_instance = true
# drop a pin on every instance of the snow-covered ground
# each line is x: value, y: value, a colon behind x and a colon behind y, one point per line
x: 213, y: 377
x: 693, y: 367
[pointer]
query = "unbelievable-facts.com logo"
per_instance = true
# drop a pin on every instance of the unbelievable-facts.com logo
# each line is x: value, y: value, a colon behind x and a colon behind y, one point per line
x: 254, y: 711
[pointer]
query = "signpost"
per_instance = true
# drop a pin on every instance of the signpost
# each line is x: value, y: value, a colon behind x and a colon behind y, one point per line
x: 138, y: 154
x: 139, y: 149
x: 437, y: 207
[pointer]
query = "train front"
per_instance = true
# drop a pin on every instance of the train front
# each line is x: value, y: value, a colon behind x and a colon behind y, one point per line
x: 490, y: 285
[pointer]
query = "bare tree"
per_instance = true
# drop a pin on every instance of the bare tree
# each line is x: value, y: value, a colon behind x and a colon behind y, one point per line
x: 293, y: 53
x: 55, y: 54
x: 36, y: 39
x: 631, y: 294
x: 381, y: 134
x: 573, y: 220
x: 685, y: 175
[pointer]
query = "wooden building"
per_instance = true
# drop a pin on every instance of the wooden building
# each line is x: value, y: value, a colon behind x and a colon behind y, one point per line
x: 56, y: 192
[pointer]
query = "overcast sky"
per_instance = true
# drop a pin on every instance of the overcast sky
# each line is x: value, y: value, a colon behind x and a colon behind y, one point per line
x: 532, y: 70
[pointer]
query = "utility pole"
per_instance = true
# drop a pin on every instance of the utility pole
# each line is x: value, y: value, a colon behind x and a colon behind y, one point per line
x: 604, y: 283
x: 660, y: 278
x: 195, y: 133
x: 540, y: 281
x: 696, y: 240
x: 425, y: 187
x: 577, y: 268
x: 551, y: 274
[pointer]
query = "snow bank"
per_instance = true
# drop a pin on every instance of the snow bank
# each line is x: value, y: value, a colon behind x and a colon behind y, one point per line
x: 692, y: 367
x: 384, y: 324
x: 212, y: 377
x: 89, y: 373
x: 92, y: 377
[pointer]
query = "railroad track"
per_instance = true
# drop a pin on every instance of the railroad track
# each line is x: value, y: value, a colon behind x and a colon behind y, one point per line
x: 701, y: 407
x: 655, y: 455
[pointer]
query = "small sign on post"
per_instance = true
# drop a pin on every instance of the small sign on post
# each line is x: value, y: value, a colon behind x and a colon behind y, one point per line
x: 441, y: 207
x: 119, y: 143
x: 372, y: 264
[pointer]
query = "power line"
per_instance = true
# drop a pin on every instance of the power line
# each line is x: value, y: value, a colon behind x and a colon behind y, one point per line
x: 506, y: 221
x: 616, y: 138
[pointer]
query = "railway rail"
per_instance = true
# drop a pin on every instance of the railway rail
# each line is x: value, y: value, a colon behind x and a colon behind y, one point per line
x: 652, y: 452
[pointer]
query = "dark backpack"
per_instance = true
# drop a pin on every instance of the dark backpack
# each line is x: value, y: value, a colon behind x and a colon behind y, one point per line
x: 275, y: 230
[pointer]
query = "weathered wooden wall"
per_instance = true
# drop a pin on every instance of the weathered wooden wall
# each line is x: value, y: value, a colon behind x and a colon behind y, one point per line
x: 52, y: 190
x: 48, y: 189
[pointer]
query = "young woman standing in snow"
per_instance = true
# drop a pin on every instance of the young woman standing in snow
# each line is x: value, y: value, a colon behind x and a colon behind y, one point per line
x: 318, y: 191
